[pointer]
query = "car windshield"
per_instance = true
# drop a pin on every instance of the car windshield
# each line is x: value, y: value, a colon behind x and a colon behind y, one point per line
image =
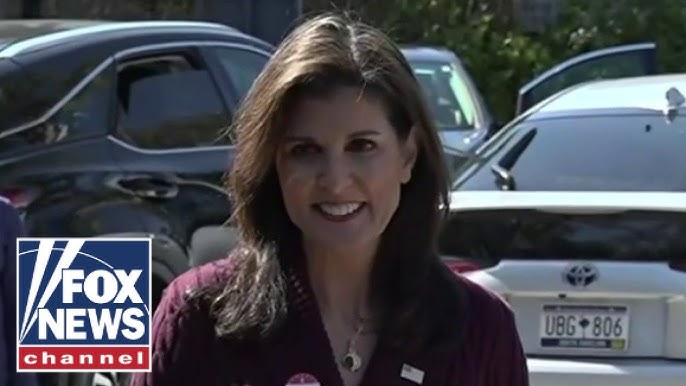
x: 447, y: 94
x: 601, y: 153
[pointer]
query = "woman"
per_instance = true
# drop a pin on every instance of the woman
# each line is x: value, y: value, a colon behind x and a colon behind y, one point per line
x: 337, y: 184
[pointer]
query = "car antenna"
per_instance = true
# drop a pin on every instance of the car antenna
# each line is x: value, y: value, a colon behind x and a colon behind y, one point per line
x: 503, y: 176
x: 674, y: 101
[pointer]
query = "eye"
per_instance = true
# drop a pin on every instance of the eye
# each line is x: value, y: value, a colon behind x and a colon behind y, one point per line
x: 303, y: 149
x: 361, y: 145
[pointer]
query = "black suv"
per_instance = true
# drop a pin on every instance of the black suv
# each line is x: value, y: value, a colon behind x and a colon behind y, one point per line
x: 111, y: 128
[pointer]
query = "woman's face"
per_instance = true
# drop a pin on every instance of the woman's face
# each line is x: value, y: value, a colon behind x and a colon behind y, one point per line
x: 340, y: 167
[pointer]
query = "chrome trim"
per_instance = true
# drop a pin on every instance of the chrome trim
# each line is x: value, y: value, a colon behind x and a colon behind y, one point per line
x: 101, y: 67
x: 19, y: 47
x: 141, y: 150
x: 199, y: 43
x: 580, y: 275
x: 66, y: 99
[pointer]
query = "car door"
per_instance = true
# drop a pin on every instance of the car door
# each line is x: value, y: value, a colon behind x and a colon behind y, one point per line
x: 171, y: 122
x: 613, y: 62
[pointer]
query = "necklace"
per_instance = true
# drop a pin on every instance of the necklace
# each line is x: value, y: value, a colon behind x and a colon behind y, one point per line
x: 352, y: 361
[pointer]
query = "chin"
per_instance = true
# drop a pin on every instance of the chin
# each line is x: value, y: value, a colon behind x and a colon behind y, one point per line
x: 341, y: 241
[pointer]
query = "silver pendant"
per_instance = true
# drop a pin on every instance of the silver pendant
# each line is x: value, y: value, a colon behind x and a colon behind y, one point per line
x: 352, y: 361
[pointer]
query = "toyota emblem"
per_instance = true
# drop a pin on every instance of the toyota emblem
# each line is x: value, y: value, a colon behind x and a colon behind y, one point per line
x: 581, y: 275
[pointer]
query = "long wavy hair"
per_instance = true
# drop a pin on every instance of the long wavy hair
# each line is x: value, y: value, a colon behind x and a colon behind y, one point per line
x: 418, y: 301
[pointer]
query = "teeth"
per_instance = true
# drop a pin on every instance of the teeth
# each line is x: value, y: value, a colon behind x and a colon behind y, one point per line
x: 340, y: 209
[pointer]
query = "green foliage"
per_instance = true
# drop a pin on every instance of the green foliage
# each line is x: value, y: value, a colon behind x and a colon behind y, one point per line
x: 502, y: 56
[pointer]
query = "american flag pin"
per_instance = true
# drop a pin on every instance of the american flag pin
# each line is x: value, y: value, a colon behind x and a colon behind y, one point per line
x: 412, y: 374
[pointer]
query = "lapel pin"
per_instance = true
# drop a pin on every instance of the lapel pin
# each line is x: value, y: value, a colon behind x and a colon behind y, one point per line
x: 303, y: 379
x: 412, y: 374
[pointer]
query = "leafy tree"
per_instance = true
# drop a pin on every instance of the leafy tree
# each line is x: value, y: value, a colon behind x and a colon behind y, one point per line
x: 501, y: 55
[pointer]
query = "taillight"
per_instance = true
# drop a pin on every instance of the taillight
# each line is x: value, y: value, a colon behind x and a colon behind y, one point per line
x: 458, y: 265
x: 19, y: 198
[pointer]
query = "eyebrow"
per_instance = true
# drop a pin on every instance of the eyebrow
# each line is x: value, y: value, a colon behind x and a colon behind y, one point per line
x: 356, y: 134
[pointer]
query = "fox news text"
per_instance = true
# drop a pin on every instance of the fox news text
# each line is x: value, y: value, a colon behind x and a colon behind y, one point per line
x: 83, y: 304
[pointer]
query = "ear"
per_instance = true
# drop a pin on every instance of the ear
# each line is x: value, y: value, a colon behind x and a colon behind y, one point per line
x: 409, y: 155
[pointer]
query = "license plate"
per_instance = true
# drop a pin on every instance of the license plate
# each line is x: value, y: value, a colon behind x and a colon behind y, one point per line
x: 596, y: 327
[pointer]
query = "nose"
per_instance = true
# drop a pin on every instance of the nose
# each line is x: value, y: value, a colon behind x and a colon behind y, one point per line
x: 335, y: 174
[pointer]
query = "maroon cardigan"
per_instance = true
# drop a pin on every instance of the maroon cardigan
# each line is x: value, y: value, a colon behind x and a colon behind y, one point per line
x: 185, y: 352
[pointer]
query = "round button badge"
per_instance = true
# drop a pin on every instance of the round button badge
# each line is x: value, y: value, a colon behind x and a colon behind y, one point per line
x: 303, y: 379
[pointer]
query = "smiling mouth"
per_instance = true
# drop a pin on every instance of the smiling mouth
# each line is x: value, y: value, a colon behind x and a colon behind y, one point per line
x: 339, y: 212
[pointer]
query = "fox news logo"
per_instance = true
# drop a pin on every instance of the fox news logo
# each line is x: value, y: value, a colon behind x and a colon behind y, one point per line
x: 83, y: 304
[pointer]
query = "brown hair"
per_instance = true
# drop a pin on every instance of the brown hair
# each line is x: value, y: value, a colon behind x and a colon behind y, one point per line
x: 409, y: 283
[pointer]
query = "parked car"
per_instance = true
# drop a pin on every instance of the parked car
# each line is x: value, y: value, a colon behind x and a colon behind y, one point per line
x: 597, y: 280
x: 459, y: 109
x: 575, y: 213
x: 589, y: 135
x: 464, y: 118
x: 110, y: 128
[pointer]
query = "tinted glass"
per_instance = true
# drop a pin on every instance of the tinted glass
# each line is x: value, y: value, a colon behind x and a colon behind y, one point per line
x: 165, y: 103
x: 490, y: 235
x: 12, y: 91
x: 40, y: 85
x: 611, y: 66
x: 608, y: 153
x: 86, y: 113
x: 242, y: 67
x: 447, y: 94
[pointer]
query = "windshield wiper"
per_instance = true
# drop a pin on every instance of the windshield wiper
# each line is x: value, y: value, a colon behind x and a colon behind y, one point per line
x: 504, y: 179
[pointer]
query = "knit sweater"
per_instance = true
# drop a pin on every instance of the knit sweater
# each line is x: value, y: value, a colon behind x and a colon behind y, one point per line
x: 186, y: 352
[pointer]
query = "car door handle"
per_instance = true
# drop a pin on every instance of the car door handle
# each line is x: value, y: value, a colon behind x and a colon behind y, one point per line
x: 146, y: 186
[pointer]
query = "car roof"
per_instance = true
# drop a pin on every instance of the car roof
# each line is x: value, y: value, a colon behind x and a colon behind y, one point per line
x: 644, y: 92
x: 427, y: 53
x: 19, y: 36
x: 13, y: 30
x: 16, y: 30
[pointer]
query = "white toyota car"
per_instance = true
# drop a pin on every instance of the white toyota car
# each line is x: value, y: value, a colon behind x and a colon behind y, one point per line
x: 597, y: 281
x: 576, y: 214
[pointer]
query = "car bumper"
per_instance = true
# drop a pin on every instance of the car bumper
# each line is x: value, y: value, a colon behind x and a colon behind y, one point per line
x: 575, y: 372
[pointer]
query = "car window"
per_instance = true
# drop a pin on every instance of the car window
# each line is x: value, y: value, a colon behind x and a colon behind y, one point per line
x: 607, y: 153
x: 242, y: 67
x: 618, y: 65
x: 166, y: 103
x: 447, y: 94
x: 33, y: 89
x: 85, y: 114
x: 489, y: 235
x: 12, y: 89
